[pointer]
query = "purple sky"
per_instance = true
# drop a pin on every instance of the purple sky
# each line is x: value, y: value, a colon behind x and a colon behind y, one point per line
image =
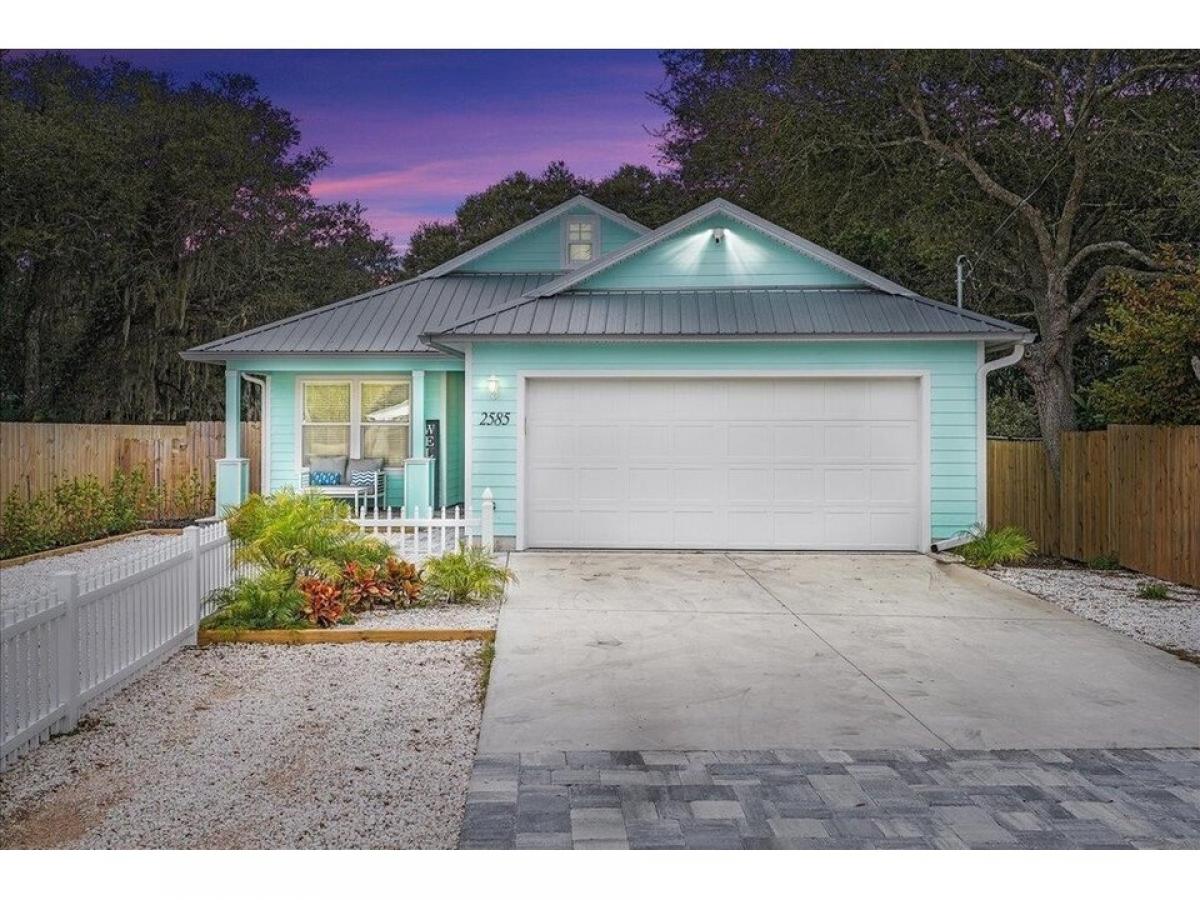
x: 413, y: 132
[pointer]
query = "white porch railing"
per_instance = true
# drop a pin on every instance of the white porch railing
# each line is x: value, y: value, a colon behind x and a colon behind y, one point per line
x: 83, y: 637
x: 427, y: 531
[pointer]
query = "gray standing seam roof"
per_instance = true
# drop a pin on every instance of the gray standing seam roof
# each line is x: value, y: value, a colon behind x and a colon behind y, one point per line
x: 752, y: 312
x: 386, y: 320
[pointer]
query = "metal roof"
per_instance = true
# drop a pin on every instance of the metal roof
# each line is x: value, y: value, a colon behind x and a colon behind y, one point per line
x: 387, y: 320
x: 699, y: 214
x: 525, y: 227
x: 790, y: 312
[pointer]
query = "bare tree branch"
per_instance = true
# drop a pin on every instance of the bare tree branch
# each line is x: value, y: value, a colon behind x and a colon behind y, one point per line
x: 915, y: 108
x: 1132, y: 75
x: 1096, y: 284
x: 1109, y: 247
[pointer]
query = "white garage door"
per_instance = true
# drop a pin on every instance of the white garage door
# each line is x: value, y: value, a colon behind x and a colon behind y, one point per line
x: 804, y: 463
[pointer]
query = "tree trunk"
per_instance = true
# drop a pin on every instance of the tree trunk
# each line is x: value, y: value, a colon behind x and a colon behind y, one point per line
x: 1053, y: 378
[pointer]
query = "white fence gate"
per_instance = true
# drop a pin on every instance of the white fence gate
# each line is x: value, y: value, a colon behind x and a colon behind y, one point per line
x: 84, y: 637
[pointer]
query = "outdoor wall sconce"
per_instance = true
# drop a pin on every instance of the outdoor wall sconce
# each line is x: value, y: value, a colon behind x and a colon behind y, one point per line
x: 493, y: 386
x: 718, y: 235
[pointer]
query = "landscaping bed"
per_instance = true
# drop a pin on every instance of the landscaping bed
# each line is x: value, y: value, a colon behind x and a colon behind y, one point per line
x: 440, y: 615
x: 1111, y: 598
x: 254, y: 746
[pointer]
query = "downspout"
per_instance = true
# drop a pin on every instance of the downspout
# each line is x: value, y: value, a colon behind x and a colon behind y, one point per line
x: 1014, y: 356
x: 264, y: 440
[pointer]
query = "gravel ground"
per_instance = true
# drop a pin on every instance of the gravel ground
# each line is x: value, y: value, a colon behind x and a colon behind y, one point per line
x: 480, y: 615
x: 251, y: 746
x: 1110, y: 598
x: 17, y: 581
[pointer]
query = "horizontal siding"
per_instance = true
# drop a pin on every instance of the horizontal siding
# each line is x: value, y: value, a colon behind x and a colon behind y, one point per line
x: 540, y: 250
x: 692, y: 259
x: 952, y: 367
x: 283, y: 430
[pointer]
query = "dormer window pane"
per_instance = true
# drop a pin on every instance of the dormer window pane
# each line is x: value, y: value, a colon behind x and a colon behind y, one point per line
x: 581, y: 237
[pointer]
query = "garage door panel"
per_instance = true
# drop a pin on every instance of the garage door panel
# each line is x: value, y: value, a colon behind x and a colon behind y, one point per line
x: 650, y: 483
x: 796, y: 442
x: 847, y: 443
x: 751, y: 484
x: 890, y: 529
x: 846, y: 486
x: 797, y: 485
x: 898, y: 441
x: 892, y: 398
x: 604, y: 484
x: 816, y: 463
x: 749, y: 441
x: 846, y: 399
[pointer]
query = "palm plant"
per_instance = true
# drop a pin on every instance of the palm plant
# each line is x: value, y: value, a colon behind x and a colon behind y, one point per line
x: 467, y: 575
x: 304, y: 535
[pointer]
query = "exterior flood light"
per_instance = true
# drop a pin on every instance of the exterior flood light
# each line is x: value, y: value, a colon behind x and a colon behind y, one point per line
x: 718, y: 235
x: 493, y: 386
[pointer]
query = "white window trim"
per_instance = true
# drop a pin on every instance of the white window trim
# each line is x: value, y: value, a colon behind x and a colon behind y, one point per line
x: 356, y: 382
x: 567, y: 222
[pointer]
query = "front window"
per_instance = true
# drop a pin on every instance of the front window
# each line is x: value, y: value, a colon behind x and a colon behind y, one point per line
x: 581, y: 240
x: 326, y: 419
x: 385, y: 421
x: 357, y: 419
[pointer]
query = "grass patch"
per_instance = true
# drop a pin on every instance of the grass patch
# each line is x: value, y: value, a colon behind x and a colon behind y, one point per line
x: 487, y: 655
x: 1105, y: 562
x: 997, y: 546
x: 1152, y: 590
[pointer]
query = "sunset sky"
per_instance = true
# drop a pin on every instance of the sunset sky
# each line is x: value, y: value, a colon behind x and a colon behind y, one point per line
x: 413, y: 132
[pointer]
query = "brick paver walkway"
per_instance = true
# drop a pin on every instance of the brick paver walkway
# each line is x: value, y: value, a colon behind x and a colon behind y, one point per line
x: 814, y: 799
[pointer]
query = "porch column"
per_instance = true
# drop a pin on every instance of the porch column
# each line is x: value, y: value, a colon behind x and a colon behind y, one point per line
x: 233, y: 472
x: 418, y: 469
x: 233, y: 413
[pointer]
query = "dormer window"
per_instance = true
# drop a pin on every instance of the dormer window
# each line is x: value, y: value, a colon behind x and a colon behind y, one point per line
x: 581, y: 242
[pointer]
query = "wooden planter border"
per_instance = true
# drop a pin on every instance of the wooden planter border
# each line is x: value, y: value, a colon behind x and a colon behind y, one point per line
x: 86, y: 545
x: 343, y: 635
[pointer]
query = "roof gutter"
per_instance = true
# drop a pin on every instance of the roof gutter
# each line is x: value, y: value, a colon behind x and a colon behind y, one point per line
x: 444, y: 348
x: 1011, y: 358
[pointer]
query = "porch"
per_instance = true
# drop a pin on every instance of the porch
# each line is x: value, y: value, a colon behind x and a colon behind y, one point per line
x: 398, y: 433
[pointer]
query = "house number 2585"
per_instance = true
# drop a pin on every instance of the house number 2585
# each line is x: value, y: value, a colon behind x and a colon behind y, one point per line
x: 494, y: 418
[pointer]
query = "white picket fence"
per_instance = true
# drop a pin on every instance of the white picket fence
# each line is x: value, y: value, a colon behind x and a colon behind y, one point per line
x: 84, y: 636
x: 426, y: 531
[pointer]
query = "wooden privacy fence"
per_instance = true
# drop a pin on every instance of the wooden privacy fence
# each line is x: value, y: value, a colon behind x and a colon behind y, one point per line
x: 34, y: 455
x: 1132, y: 491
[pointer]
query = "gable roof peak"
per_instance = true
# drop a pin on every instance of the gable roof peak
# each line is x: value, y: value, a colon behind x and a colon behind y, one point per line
x: 721, y: 205
x: 529, y: 225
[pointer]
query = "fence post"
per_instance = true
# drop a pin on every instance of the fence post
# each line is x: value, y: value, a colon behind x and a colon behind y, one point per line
x: 487, y: 522
x: 191, y: 540
x: 67, y: 586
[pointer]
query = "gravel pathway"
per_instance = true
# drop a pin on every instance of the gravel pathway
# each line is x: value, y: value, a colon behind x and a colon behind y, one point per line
x: 240, y: 746
x: 18, y: 581
x: 481, y: 615
x: 1110, y: 598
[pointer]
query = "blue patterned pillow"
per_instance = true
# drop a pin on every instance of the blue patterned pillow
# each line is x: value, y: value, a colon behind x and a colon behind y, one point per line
x: 362, y: 479
x: 325, y: 479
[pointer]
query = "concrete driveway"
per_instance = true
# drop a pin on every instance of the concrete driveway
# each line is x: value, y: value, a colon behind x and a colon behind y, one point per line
x: 715, y: 651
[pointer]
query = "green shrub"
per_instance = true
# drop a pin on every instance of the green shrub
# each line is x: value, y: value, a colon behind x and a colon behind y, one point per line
x: 269, y: 600
x: 467, y: 575
x: 1153, y: 590
x: 76, y: 510
x: 302, y: 535
x: 1104, y: 562
x: 997, y: 546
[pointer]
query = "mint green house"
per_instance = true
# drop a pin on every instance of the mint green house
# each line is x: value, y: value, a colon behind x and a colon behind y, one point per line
x: 718, y: 382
